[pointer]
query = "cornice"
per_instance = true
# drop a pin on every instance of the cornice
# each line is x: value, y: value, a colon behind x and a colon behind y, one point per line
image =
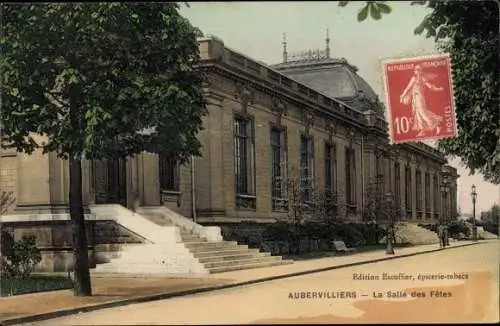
x: 275, y: 90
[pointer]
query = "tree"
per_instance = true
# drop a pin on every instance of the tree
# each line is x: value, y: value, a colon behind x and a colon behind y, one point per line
x: 327, y: 205
x: 491, y: 219
x: 99, y: 81
x: 375, y: 205
x: 468, y: 32
x: 6, y: 200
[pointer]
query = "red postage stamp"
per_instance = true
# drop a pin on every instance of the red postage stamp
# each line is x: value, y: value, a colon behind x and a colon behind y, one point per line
x: 419, y: 94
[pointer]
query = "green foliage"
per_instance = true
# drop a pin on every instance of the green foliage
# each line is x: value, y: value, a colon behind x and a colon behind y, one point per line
x: 376, y: 206
x: 278, y: 231
x: 16, y: 286
x: 19, y: 258
x: 493, y: 215
x: 93, y: 77
x: 468, y: 32
x: 491, y: 219
x: 373, y: 8
x: 353, y: 234
x: 458, y: 227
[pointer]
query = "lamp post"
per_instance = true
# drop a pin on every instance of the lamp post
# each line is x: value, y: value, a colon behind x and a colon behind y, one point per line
x: 390, y: 232
x: 444, y: 192
x: 474, y: 227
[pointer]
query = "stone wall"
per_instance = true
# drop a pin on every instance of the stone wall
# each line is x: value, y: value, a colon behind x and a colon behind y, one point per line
x: 54, y: 239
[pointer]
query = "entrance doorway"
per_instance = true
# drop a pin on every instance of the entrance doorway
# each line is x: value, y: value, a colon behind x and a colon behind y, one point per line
x: 110, y: 181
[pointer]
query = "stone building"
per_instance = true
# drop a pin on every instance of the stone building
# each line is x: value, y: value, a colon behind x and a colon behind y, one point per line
x: 313, y: 118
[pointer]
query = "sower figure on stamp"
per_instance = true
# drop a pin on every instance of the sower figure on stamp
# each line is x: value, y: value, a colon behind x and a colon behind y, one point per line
x: 423, y: 119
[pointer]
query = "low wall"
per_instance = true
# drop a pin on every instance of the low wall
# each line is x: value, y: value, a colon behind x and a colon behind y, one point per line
x: 252, y: 234
x: 54, y: 239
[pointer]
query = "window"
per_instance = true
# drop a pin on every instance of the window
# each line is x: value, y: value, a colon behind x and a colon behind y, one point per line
x: 397, y: 183
x: 306, y: 168
x: 418, y: 182
x: 427, y: 192
x: 330, y: 168
x: 445, y: 212
x: 435, y: 198
x: 278, y: 168
x: 244, y: 163
x: 350, y: 175
x: 379, y: 173
x: 408, y: 194
x: 169, y: 170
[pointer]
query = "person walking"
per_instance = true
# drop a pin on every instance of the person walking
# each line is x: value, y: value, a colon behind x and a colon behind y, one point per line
x: 440, y: 231
x: 446, y: 240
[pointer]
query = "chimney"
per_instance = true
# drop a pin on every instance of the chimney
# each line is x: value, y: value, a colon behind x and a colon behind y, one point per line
x: 285, y: 53
x: 327, y: 44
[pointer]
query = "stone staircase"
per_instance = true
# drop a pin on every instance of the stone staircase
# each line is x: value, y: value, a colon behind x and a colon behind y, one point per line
x: 481, y: 233
x: 171, y: 244
x: 219, y: 256
x: 410, y: 233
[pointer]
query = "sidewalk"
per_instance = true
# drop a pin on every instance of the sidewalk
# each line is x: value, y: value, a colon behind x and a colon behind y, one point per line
x: 116, y: 290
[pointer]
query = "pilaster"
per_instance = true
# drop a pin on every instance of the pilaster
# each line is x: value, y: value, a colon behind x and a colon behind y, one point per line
x: 402, y: 188
x: 41, y: 185
x: 263, y: 159
x: 214, y: 188
x: 413, y: 168
x: 148, y: 179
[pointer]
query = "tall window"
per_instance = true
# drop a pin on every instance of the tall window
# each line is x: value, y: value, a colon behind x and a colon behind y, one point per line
x: 306, y: 167
x: 169, y: 170
x: 397, y: 184
x: 278, y: 168
x: 244, y: 159
x: 379, y: 173
x: 435, y: 198
x: 427, y: 194
x: 350, y: 175
x: 408, y: 193
x: 330, y: 168
x: 418, y: 182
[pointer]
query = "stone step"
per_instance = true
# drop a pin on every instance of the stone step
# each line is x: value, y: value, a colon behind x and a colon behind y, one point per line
x: 204, y: 244
x: 202, y: 249
x: 232, y: 257
x: 192, y: 237
x: 248, y: 266
x: 190, y: 240
x: 243, y: 261
x: 224, y: 252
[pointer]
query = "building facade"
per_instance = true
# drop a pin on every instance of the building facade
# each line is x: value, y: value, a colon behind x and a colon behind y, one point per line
x: 314, y: 120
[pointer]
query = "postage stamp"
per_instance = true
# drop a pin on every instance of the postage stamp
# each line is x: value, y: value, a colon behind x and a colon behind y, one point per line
x: 419, y: 97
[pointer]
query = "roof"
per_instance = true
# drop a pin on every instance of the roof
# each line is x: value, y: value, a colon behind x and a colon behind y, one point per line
x: 312, y: 61
x: 335, y: 78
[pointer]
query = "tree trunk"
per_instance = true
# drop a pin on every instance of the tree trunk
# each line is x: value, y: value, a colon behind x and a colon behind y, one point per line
x: 82, y: 285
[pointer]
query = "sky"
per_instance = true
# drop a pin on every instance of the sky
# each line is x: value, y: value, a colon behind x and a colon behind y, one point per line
x: 256, y: 29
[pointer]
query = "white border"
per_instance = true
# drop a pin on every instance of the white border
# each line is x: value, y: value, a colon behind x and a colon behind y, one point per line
x: 385, y: 61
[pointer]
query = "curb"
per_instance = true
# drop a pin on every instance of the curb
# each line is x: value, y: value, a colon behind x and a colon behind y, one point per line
x: 162, y: 296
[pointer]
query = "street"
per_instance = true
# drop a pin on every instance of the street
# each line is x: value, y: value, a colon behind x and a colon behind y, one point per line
x: 454, y: 285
